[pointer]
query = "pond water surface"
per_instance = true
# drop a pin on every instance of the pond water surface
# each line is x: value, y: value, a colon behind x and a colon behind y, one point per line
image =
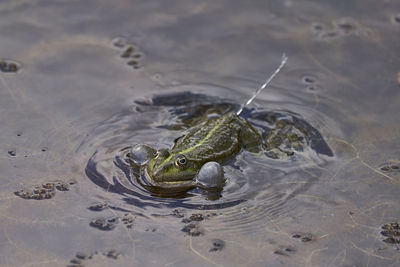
x: 81, y: 82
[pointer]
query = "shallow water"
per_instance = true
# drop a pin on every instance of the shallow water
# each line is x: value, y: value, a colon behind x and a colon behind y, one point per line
x: 75, y: 78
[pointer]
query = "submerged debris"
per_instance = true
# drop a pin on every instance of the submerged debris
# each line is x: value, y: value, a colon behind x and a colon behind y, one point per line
x: 303, y: 237
x: 7, y: 65
x: 105, y: 224
x: 340, y: 27
x: 129, y: 52
x: 193, y: 229
x: 119, y: 42
x: 392, y: 233
x: 217, y: 245
x: 195, y: 217
x: 112, y: 254
x: 12, y: 152
x: 284, y: 251
x: 178, y: 213
x: 193, y: 223
x: 390, y: 167
x: 81, y: 257
x: 128, y: 220
x: 98, y: 206
x: 45, y: 191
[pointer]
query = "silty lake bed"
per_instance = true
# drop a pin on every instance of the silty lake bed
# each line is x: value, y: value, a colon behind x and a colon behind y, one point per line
x: 81, y: 82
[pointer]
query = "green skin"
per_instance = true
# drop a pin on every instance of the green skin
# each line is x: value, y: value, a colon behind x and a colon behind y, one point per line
x: 219, y: 139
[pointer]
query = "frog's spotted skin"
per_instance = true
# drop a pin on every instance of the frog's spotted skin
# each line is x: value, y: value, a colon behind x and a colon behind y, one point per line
x: 218, y: 139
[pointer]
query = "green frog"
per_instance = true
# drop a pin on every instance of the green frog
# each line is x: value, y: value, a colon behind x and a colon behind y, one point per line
x: 215, y: 140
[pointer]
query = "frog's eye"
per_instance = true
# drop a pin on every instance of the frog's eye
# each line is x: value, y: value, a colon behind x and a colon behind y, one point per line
x: 181, y: 161
x: 155, y: 153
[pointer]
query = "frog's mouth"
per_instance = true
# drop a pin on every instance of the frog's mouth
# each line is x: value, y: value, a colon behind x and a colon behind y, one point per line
x: 176, y: 183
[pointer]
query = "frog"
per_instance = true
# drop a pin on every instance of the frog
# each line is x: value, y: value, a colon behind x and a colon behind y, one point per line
x: 214, y: 140
x: 197, y: 156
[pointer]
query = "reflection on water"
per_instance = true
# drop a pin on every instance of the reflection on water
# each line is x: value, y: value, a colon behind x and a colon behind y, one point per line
x: 75, y: 77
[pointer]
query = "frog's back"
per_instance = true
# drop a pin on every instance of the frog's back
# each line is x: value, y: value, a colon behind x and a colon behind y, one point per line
x: 214, y: 140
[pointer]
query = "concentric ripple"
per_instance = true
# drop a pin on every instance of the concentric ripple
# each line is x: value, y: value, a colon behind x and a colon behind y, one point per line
x: 159, y: 120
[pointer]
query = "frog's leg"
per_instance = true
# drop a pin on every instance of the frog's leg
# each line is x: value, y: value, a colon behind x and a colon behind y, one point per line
x: 284, y: 140
x: 251, y: 139
x: 254, y: 142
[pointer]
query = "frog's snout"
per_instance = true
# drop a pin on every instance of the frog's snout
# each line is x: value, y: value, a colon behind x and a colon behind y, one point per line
x: 158, y: 173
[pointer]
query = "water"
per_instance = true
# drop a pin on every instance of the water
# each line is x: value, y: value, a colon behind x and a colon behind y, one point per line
x: 74, y: 85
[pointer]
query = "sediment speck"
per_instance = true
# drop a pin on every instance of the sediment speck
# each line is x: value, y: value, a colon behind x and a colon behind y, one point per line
x: 9, y: 66
x: 217, y: 245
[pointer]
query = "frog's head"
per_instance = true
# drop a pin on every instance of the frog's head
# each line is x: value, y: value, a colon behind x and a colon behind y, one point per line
x: 167, y: 167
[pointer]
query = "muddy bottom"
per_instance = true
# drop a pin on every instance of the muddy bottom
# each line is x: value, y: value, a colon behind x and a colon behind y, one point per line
x: 81, y: 83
